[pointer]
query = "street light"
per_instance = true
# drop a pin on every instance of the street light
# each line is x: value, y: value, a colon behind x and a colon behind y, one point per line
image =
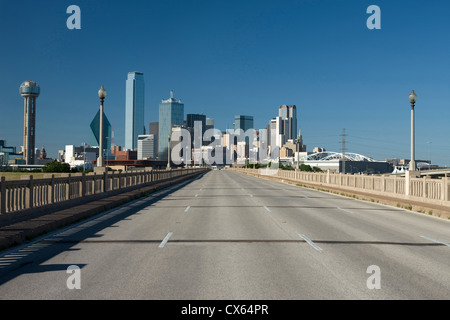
x: 102, y: 96
x: 84, y: 156
x: 106, y: 152
x: 412, y: 100
x: 168, y: 153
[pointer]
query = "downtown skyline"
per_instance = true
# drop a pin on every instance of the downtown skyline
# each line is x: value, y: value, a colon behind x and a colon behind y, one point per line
x: 225, y: 59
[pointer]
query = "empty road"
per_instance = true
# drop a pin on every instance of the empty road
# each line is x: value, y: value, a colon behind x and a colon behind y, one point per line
x: 227, y: 235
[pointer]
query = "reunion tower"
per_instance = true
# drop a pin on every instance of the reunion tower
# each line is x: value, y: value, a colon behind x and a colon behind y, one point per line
x: 29, y: 90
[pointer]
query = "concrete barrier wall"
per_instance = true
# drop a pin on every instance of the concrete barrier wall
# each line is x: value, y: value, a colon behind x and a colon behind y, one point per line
x: 28, y: 193
x: 427, y: 190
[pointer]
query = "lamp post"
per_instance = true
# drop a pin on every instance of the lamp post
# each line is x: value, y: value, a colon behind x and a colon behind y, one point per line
x: 412, y: 100
x: 102, y: 96
x: 106, y: 151
x: 168, y: 153
x: 84, y: 156
x: 297, y: 153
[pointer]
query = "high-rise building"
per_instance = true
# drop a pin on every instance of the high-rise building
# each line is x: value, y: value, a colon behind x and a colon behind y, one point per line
x: 278, y: 129
x: 192, y: 118
x: 134, y: 109
x: 153, y: 128
x: 243, y: 122
x: 171, y: 112
x: 146, y: 147
x: 29, y: 90
x: 289, y: 113
x: 95, y: 133
x: 209, y: 123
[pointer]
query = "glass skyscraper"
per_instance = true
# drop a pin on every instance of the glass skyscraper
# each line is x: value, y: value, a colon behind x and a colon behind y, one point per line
x: 289, y: 113
x: 95, y: 132
x: 134, y: 109
x: 243, y: 122
x: 171, y: 112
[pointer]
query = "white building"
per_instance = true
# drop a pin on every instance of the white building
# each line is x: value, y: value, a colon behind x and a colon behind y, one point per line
x: 80, y: 156
x: 146, y: 147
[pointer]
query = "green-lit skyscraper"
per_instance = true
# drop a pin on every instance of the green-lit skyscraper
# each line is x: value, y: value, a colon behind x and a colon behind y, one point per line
x: 95, y: 130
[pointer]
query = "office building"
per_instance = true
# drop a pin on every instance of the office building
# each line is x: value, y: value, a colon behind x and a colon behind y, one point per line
x: 29, y: 90
x: 209, y: 124
x: 134, y: 109
x: 171, y: 113
x: 8, y: 153
x: 153, y: 128
x: 81, y: 157
x: 192, y: 118
x: 146, y: 147
x: 278, y: 129
x: 95, y: 133
x: 289, y: 113
x: 243, y: 122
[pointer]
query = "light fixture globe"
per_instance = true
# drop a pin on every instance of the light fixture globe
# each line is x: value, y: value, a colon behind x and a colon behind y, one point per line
x: 102, y: 93
x: 412, y: 97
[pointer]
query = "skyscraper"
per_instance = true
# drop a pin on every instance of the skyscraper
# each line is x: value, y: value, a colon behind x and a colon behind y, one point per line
x: 191, y: 119
x: 134, y: 109
x: 209, y: 123
x: 29, y: 90
x: 243, y: 122
x: 95, y: 133
x: 289, y: 113
x: 171, y: 112
x: 153, y: 128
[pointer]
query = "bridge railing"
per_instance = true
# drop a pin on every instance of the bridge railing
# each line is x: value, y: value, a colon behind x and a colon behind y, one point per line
x: 424, y: 189
x: 28, y: 193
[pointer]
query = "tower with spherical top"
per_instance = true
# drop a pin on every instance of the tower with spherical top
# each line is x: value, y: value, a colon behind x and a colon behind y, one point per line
x: 29, y: 90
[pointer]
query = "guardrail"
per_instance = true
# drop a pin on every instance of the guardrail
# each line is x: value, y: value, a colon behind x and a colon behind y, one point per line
x: 425, y: 189
x: 28, y: 193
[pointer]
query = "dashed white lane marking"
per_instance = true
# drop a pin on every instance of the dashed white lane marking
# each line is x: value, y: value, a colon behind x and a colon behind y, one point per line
x: 312, y: 244
x: 163, y: 243
x: 187, y: 208
x: 345, y: 210
x: 267, y: 209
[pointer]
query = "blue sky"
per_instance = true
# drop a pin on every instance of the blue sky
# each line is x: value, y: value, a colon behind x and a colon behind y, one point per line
x: 225, y: 58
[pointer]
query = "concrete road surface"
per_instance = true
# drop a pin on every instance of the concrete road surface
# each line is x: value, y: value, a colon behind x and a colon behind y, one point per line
x: 227, y: 235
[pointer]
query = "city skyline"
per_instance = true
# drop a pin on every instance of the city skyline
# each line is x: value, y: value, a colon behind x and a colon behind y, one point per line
x: 249, y: 59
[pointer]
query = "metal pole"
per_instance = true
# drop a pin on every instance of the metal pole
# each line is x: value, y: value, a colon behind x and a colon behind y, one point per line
x: 412, y: 163
x: 84, y: 156
x: 168, y: 153
x: 100, y: 156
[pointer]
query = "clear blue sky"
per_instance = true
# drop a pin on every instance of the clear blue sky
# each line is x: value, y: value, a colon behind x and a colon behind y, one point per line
x: 232, y: 57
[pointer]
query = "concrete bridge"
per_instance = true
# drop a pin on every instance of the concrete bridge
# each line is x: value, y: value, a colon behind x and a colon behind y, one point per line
x: 238, y: 235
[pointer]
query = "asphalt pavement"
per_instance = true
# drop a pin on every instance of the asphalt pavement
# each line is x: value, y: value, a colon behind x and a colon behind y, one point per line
x: 226, y: 235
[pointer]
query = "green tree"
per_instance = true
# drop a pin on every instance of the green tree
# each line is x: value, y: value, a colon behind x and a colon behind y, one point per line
x: 56, y: 167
